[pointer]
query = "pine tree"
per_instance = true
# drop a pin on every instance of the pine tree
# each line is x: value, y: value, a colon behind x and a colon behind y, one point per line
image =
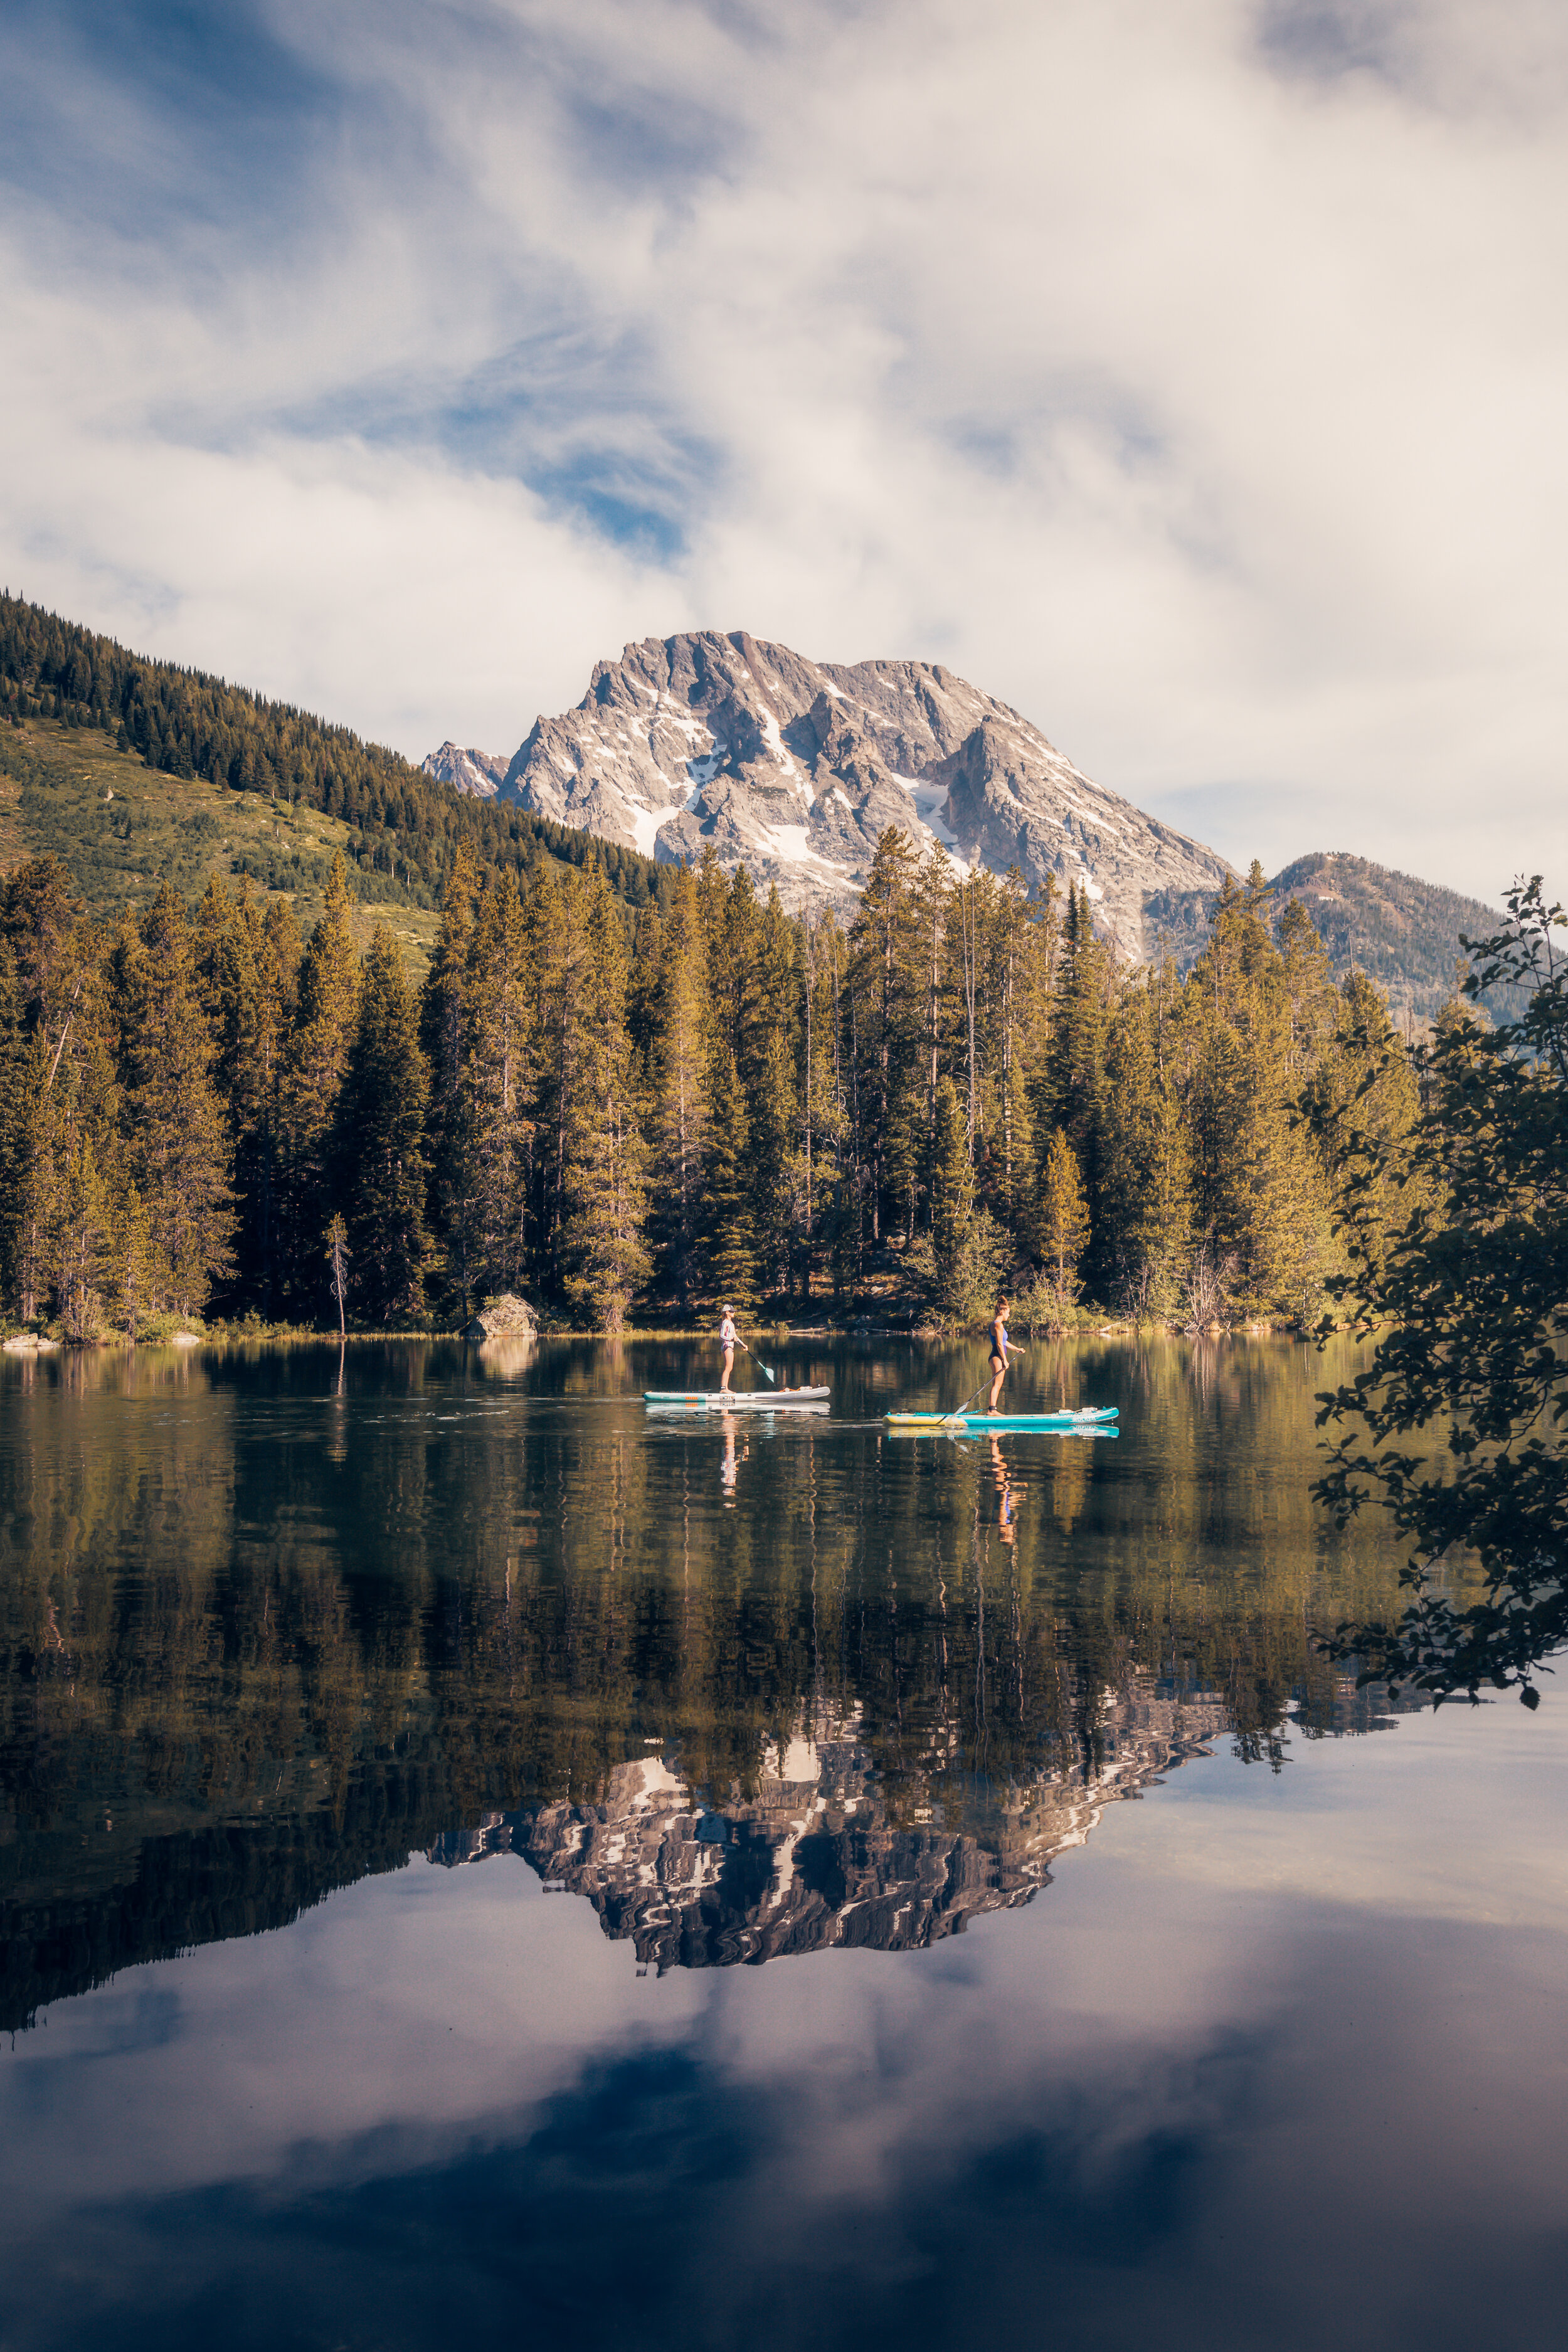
x: 1309, y: 983
x: 378, y: 1142
x: 1146, y: 1205
x: 240, y: 987
x: 176, y: 1144
x: 67, y: 1085
x: 1079, y: 1024
x: 952, y: 1198
x: 558, y: 961
x: 1363, y: 1104
x: 642, y: 990
x: 768, y: 1075
x: 678, y: 1057
x: 820, y: 1119
x: 1014, y: 984
x: 83, y: 1240
x: 14, y: 1058
x: 883, y: 987
x: 314, y: 1057
x: 444, y: 1038
x: 133, y: 1263
x: 727, y: 1194
x: 606, y: 1202
x: 1261, y: 1206
x: 770, y: 1121
x: 1064, y: 1213
x: 489, y: 1131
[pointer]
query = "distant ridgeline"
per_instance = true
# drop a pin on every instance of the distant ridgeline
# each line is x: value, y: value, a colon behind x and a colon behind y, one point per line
x: 1405, y: 934
x: 186, y: 724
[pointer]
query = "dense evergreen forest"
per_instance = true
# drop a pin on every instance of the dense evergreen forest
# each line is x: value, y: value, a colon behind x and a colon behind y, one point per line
x: 404, y: 825
x: 200, y: 1112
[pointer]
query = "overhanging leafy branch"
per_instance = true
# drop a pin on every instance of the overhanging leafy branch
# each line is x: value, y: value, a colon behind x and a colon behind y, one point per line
x: 1467, y: 1298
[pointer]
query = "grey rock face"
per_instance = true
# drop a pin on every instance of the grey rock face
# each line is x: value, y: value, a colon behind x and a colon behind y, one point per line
x: 794, y: 767
x: 811, y: 1858
x: 482, y: 773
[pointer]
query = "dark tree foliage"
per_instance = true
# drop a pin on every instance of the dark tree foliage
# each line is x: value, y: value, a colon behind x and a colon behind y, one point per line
x: 750, y: 1103
x: 1470, y: 1302
x: 379, y: 1140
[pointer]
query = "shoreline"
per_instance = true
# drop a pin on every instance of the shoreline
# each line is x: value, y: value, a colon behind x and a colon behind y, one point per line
x: 43, y: 1343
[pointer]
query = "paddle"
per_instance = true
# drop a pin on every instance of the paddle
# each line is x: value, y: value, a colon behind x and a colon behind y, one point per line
x: 757, y: 1361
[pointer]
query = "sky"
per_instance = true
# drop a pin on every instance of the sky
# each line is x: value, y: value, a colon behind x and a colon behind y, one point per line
x: 1191, y: 377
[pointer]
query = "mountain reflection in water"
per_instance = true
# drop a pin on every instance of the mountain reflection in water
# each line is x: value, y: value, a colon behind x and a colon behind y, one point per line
x: 813, y: 1858
x: 271, y: 1620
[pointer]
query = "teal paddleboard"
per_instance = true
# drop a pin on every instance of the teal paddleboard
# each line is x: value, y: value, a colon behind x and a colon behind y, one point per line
x: 1100, y: 1419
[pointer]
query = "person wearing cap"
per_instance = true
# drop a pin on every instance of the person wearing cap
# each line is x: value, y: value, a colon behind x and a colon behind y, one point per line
x: 727, y: 1336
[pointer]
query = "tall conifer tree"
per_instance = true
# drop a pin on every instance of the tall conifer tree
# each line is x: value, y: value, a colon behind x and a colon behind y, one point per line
x: 728, y: 1193
x: 883, y: 986
x: 680, y: 1058
x: 313, y: 1073
x: 489, y: 1132
x: 606, y: 1194
x: 378, y: 1142
x: 83, y: 1247
x: 13, y: 1118
x: 176, y: 1141
x: 1064, y: 1213
x: 1144, y: 1157
x: 951, y: 1199
x: 443, y: 1031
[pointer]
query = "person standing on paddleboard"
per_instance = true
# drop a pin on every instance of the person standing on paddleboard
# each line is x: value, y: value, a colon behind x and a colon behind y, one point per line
x: 999, y: 1346
x: 727, y: 1337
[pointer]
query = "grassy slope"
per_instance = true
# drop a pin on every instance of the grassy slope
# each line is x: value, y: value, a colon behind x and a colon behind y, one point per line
x: 401, y: 828
x: 120, y: 827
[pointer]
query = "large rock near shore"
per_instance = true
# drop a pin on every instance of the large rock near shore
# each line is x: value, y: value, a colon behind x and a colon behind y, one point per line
x: 505, y: 1317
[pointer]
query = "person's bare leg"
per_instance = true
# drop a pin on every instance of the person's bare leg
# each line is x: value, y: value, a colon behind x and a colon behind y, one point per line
x: 996, y: 1386
x: 724, y: 1375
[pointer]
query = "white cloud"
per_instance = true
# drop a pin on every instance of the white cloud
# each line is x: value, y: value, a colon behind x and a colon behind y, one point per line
x: 1192, y: 379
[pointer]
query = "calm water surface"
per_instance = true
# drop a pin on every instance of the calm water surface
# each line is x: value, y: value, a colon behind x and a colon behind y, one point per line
x: 483, y: 1864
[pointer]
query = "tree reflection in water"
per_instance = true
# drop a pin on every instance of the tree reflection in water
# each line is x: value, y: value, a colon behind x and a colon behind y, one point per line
x: 270, y: 1621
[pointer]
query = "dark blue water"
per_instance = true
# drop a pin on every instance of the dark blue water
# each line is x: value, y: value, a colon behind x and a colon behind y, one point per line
x: 480, y: 1865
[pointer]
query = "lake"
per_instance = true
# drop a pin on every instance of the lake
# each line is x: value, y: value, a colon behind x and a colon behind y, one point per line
x: 484, y: 1862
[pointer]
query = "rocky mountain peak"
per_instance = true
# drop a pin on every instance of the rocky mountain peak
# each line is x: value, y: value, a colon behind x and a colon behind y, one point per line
x: 795, y: 768
x: 481, y: 773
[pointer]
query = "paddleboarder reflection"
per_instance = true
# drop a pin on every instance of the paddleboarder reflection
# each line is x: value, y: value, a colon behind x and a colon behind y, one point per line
x: 729, y: 1468
x: 1008, y: 1494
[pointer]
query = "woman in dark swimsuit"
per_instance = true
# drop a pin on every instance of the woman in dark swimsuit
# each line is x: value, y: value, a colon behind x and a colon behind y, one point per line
x: 999, y: 1346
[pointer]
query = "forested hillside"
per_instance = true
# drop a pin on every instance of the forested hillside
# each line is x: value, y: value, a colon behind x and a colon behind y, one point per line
x: 1407, y: 934
x: 401, y: 824
x: 958, y: 1088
